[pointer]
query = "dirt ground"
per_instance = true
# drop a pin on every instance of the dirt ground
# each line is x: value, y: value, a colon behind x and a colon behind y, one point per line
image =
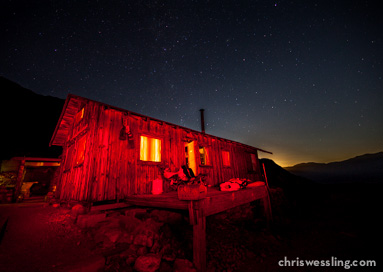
x: 39, y: 237
x: 344, y: 224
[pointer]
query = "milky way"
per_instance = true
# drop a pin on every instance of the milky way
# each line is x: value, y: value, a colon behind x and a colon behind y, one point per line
x: 302, y: 79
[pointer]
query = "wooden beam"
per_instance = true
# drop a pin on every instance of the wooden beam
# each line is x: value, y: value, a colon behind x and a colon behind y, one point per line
x: 109, y: 206
x: 27, y: 159
x: 19, y: 181
x: 199, y: 244
x: 267, y: 208
x: 198, y: 220
x: 168, y: 201
x: 228, y: 200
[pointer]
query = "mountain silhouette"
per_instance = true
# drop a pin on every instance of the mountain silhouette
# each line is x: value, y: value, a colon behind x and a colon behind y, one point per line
x: 364, y: 168
x: 27, y: 122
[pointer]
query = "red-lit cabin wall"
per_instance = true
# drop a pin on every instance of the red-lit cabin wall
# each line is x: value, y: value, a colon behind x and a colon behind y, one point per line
x: 240, y: 160
x: 112, y: 168
x: 74, y: 179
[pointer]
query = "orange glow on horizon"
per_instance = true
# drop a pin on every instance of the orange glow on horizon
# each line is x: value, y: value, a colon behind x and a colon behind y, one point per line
x: 280, y: 160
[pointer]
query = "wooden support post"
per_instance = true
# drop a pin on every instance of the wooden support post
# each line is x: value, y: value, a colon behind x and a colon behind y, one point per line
x: 19, y: 181
x: 197, y: 218
x: 266, y: 200
x: 267, y: 208
x: 199, y: 244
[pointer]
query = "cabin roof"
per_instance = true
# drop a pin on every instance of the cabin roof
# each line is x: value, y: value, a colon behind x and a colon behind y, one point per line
x: 71, y: 107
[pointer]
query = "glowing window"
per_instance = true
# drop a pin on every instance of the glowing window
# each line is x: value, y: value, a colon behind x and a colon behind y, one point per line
x: 254, y: 162
x: 226, y: 158
x: 81, y: 151
x: 150, y: 149
x: 204, y: 156
x: 69, y: 158
x: 79, y: 116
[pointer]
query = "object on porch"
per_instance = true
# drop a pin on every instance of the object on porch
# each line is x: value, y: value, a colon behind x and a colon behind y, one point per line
x: 157, y: 186
x: 192, y: 191
x: 234, y: 184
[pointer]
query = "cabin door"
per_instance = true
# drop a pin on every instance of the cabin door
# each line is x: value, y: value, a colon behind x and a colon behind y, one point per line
x: 190, y: 157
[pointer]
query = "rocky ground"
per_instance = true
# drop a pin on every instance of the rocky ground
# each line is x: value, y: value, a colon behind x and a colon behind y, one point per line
x: 42, y: 237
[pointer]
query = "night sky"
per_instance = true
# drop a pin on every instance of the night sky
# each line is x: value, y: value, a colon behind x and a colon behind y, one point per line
x: 302, y: 79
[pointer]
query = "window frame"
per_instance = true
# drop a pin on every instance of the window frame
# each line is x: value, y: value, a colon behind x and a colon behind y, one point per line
x: 223, y: 158
x: 207, y: 152
x: 73, y: 147
x: 156, y: 137
x: 79, y: 116
x: 80, y: 162
x: 69, y: 153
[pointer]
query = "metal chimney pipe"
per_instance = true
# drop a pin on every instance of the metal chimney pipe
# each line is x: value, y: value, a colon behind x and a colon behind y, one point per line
x: 202, y: 120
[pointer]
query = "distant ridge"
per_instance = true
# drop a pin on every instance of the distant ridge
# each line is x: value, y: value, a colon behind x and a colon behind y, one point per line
x: 363, y: 168
x: 27, y: 122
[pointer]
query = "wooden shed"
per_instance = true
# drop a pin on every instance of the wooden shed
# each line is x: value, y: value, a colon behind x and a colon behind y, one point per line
x: 111, y: 153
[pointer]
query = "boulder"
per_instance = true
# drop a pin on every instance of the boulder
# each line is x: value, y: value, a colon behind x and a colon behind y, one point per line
x: 126, y: 238
x: 141, y: 239
x: 166, y: 216
x: 147, y: 263
x: 90, y: 220
x: 129, y: 255
x: 77, y: 210
x: 183, y: 265
x: 156, y: 247
x: 113, y: 234
x: 130, y: 260
x: 146, y: 233
x: 137, y: 212
x: 168, y: 253
x: 142, y: 251
x: 129, y: 252
x: 165, y: 267
x: 130, y: 223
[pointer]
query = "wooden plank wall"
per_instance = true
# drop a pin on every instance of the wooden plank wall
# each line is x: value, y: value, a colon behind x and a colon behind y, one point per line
x: 112, y: 169
x: 74, y: 183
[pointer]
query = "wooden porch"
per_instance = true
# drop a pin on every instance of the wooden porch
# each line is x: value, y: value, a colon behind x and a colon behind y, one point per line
x: 215, y: 202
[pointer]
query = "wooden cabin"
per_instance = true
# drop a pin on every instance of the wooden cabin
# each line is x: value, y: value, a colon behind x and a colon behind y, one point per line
x: 111, y: 153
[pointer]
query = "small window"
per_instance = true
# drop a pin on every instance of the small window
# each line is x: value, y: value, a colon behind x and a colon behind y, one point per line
x: 79, y: 116
x: 69, y: 158
x: 150, y: 149
x: 204, y: 156
x: 80, y: 156
x: 253, y: 162
x: 226, y: 158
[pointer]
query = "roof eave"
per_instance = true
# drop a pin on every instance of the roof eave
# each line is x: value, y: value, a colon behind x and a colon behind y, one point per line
x: 59, y: 121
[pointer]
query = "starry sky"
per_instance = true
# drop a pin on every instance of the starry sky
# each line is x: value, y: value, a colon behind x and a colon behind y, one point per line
x: 302, y: 79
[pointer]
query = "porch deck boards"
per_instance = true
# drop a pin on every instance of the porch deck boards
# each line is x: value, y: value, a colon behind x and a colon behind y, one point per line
x: 216, y: 201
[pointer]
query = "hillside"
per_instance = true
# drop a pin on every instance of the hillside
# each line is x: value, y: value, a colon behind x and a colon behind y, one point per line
x: 27, y: 122
x: 364, y: 168
x: 296, y: 188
